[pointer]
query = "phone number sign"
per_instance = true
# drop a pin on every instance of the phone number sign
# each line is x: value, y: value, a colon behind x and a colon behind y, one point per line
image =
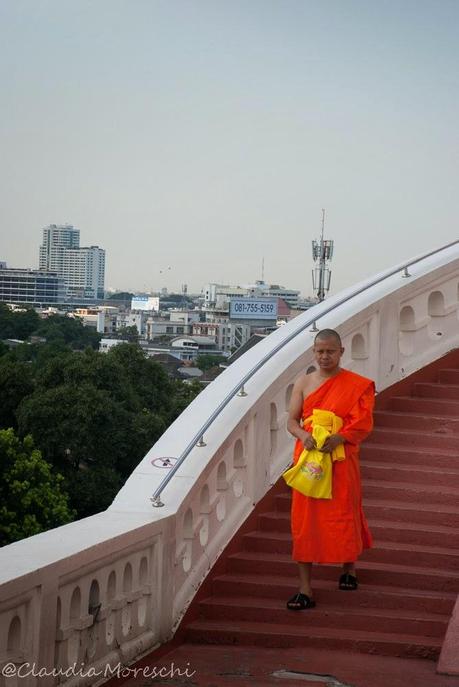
x: 253, y: 308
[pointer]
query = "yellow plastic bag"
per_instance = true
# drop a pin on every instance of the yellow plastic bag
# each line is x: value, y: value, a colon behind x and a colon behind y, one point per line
x: 312, y: 474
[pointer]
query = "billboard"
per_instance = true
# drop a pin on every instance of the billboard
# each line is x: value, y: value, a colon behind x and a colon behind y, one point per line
x: 253, y: 309
x: 145, y: 303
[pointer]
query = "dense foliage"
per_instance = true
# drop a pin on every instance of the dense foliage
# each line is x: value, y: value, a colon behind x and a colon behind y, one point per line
x: 92, y: 415
x: 32, y: 498
x: 120, y: 296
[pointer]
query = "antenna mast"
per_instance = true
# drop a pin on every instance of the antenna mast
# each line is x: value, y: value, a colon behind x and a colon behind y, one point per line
x: 322, y: 252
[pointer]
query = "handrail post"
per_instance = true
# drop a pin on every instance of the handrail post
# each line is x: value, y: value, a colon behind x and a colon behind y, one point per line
x: 242, y: 391
x: 201, y: 442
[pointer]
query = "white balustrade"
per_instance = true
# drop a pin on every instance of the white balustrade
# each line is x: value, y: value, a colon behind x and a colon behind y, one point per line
x: 103, y: 591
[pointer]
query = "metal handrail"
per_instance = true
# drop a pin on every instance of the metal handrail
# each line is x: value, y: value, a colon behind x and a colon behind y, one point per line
x: 198, y: 439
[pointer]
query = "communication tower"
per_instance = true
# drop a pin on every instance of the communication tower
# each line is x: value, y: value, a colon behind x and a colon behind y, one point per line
x: 322, y: 253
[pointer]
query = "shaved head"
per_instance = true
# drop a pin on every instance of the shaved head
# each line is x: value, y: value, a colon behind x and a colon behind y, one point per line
x: 328, y: 334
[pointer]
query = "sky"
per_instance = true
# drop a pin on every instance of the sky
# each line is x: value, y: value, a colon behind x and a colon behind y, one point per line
x: 194, y: 138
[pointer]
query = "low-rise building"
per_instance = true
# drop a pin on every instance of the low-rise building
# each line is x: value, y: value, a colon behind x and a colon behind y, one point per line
x: 228, y: 335
x: 132, y: 319
x: 216, y: 295
x: 106, y: 344
x: 31, y: 287
x: 156, y: 327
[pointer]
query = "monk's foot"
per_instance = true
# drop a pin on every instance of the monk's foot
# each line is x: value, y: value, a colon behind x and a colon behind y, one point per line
x: 300, y: 602
x: 348, y: 582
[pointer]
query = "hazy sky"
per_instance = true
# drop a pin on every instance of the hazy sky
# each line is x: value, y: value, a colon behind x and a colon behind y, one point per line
x: 202, y: 135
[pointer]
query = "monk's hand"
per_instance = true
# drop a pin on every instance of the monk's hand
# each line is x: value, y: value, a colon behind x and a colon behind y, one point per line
x: 309, y: 442
x: 332, y: 442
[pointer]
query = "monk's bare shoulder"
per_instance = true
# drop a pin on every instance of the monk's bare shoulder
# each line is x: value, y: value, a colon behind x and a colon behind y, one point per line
x: 306, y: 383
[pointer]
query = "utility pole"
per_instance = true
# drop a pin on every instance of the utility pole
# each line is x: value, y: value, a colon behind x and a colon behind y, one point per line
x: 322, y: 252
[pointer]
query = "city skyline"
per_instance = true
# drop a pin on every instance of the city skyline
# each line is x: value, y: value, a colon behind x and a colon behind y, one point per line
x: 195, y: 140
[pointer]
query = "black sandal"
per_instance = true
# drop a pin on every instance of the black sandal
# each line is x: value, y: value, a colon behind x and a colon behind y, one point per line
x: 348, y: 582
x: 299, y: 602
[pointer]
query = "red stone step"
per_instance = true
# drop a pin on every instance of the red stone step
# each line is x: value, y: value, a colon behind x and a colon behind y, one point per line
x: 448, y: 376
x: 400, y: 531
x: 384, y: 552
x: 411, y: 493
x: 389, y: 574
x: 435, y: 390
x: 408, y: 533
x: 415, y: 503
x: 276, y: 635
x: 327, y: 592
x: 419, y: 421
x: 399, y: 511
x: 437, y: 406
x: 270, y: 611
x: 427, y: 556
x: 407, y: 455
x: 433, y: 475
x: 428, y: 441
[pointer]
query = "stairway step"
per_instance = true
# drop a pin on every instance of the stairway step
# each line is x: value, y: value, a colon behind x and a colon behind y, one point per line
x: 408, y: 455
x: 382, y: 503
x: 389, y: 574
x: 407, y: 533
x: 421, y: 421
x: 273, y: 611
x: 385, y: 471
x: 419, y: 404
x: 411, y: 493
x: 442, y: 515
x: 426, y: 440
x: 388, y: 530
x: 427, y: 556
x: 327, y: 592
x: 448, y: 376
x: 435, y: 390
x: 422, y: 514
x: 263, y: 634
x: 405, y: 554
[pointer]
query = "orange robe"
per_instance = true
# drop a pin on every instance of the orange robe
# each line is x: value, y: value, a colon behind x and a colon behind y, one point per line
x: 335, y: 530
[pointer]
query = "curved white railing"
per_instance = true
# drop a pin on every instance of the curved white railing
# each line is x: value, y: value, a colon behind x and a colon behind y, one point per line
x: 106, y: 589
x: 315, y: 313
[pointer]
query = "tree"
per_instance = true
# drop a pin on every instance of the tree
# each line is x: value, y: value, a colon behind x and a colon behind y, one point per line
x: 16, y: 382
x: 18, y: 324
x: 121, y: 296
x: 68, y: 330
x: 208, y: 360
x: 32, y: 498
x: 77, y: 425
x: 93, y: 415
x: 130, y: 333
x: 147, y: 378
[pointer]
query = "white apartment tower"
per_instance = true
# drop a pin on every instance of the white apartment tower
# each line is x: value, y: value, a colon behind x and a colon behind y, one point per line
x: 82, y: 268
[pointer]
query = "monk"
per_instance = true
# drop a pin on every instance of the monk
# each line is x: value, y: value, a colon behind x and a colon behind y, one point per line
x: 330, y: 530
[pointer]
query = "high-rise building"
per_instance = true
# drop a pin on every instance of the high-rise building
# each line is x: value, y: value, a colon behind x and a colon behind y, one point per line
x: 82, y: 268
